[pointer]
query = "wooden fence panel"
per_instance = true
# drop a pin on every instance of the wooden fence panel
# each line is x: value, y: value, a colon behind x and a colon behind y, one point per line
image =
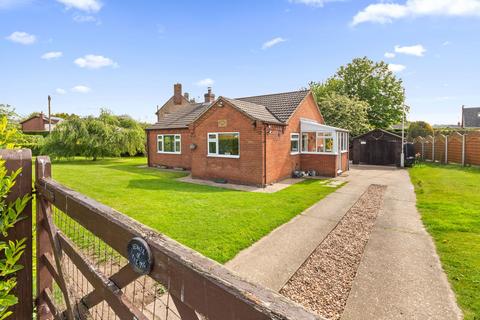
x: 428, y: 148
x: 440, y: 148
x: 15, y: 159
x: 472, y: 148
x: 455, y: 146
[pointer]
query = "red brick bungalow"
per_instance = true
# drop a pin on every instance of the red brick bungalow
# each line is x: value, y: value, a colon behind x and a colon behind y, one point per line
x: 252, y: 140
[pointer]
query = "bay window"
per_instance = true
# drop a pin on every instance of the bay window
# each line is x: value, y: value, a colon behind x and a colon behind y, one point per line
x: 169, y: 143
x: 224, y: 144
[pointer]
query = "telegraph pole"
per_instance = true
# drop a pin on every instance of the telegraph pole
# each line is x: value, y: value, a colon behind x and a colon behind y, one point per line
x: 49, y: 115
x: 402, y: 155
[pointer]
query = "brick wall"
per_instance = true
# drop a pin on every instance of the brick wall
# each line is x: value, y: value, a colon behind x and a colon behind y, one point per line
x: 280, y: 163
x: 248, y: 169
x: 324, y: 165
x: 345, y: 159
x: 182, y: 160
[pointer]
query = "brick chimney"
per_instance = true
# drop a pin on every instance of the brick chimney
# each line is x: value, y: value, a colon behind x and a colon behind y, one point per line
x: 209, y: 96
x: 177, y: 93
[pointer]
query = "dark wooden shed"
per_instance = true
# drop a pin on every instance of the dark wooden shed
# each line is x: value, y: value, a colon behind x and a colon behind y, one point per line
x: 378, y: 147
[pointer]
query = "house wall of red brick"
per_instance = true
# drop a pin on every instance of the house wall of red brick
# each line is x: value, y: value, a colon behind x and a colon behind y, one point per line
x: 182, y: 160
x: 345, y: 158
x: 34, y: 124
x: 324, y: 164
x: 280, y: 162
x: 248, y: 168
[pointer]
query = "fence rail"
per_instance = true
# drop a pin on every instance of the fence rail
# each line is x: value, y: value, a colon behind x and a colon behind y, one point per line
x: 458, y: 148
x: 83, y: 268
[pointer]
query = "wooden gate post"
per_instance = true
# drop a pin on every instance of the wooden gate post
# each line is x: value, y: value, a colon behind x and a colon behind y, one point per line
x: 14, y: 160
x: 44, y: 278
x: 463, y: 149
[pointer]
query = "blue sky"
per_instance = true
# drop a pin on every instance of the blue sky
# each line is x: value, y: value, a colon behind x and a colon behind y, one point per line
x: 126, y: 55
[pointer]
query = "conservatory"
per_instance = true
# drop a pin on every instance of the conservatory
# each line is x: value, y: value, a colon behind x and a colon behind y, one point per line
x: 323, y: 147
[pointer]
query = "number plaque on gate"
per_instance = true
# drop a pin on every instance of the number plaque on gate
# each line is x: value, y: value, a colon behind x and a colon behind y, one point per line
x: 139, y: 255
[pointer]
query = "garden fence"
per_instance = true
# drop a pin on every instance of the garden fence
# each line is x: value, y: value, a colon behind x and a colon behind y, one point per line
x: 456, y: 148
x: 95, y: 263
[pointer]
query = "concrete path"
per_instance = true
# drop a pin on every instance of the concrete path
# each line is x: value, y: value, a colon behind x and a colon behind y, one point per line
x: 275, y: 258
x: 400, y: 276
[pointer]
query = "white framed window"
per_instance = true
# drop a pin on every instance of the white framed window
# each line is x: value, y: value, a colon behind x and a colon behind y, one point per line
x: 294, y: 143
x: 223, y: 144
x: 324, y: 142
x: 343, y: 141
x: 169, y: 143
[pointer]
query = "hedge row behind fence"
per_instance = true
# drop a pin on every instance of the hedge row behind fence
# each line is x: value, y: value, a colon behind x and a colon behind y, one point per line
x: 453, y: 148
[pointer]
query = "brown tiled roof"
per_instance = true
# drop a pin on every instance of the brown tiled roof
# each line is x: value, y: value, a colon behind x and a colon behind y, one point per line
x: 181, y: 118
x: 281, y: 105
x: 272, y: 108
x: 255, y: 111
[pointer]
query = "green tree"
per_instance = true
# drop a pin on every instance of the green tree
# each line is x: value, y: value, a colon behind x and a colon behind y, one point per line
x: 343, y: 112
x: 419, y: 129
x: 373, y: 83
x: 107, y: 135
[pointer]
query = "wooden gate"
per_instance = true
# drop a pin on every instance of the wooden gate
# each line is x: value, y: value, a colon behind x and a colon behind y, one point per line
x: 88, y: 267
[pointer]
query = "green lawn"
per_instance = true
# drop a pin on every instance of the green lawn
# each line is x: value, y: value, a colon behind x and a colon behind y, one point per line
x: 448, y: 198
x: 214, y: 221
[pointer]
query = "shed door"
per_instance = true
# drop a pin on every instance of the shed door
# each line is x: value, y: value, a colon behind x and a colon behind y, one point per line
x: 380, y: 152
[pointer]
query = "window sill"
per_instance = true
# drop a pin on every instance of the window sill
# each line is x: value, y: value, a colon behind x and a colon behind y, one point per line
x: 294, y: 153
x: 322, y: 153
x: 345, y: 151
x: 163, y: 152
x: 222, y: 156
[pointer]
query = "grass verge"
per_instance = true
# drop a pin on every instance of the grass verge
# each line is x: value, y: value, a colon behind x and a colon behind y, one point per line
x: 448, y: 198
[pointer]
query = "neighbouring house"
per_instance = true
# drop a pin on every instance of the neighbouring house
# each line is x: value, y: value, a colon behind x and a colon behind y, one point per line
x: 255, y: 140
x: 470, y: 117
x: 39, y: 123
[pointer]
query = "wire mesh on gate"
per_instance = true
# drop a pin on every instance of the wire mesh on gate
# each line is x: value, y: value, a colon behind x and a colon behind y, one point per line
x: 146, y: 294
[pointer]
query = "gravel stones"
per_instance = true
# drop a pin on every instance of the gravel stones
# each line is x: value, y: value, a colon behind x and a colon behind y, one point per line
x: 322, y: 284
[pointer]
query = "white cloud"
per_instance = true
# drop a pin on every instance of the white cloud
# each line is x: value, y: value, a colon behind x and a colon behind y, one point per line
x: 273, y: 42
x: 81, y: 89
x: 446, y: 43
x: 91, y: 61
x: 385, y: 12
x: 83, y: 5
x: 205, y: 82
x: 60, y: 91
x: 396, y: 67
x: 389, y: 55
x: 416, y: 50
x: 313, y: 3
x: 52, y: 55
x: 81, y: 18
x: 22, y: 37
